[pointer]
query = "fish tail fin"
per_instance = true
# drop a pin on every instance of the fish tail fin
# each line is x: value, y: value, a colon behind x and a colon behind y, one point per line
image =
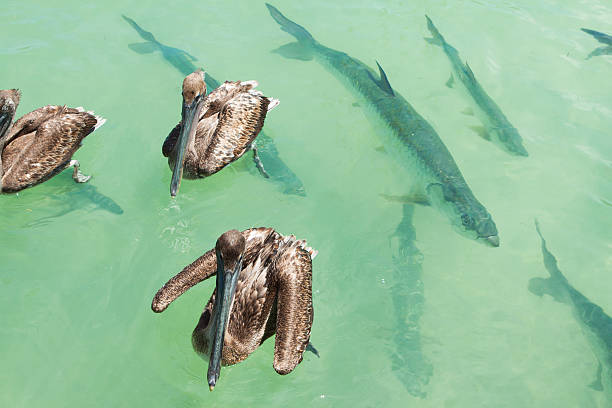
x: 601, y: 37
x: 296, y: 30
x: 553, y: 286
x: 312, y: 349
x: 299, y: 50
x: 436, y: 37
x: 146, y: 35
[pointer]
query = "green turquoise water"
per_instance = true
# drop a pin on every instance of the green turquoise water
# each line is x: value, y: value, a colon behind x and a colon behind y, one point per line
x: 451, y: 324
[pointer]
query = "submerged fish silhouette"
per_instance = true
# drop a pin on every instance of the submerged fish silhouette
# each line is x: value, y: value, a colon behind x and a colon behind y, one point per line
x: 595, y: 324
x: 498, y: 128
x: 409, y: 364
x: 276, y: 168
x: 81, y: 197
x: 602, y: 38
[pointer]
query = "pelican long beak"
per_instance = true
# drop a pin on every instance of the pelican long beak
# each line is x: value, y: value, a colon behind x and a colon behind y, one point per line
x: 189, y: 114
x: 5, y: 123
x: 226, y: 285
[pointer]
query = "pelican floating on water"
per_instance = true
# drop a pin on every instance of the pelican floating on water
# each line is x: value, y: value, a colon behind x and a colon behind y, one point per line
x: 264, y: 286
x: 214, y: 130
x: 40, y: 144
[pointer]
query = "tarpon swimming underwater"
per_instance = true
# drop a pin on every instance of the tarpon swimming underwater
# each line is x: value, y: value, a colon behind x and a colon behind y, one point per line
x: 595, y: 324
x: 602, y: 38
x: 277, y: 170
x: 408, y: 136
x: 497, y: 128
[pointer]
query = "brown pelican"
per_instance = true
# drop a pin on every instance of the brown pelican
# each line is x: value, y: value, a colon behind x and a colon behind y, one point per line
x: 264, y: 283
x: 40, y: 144
x: 228, y: 120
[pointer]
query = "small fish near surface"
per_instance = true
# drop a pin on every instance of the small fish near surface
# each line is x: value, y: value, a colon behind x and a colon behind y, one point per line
x: 497, y: 128
x: 87, y: 197
x: 594, y: 322
x: 406, y: 135
x: 602, y: 38
x: 278, y: 172
x: 408, y: 362
x: 40, y: 144
x: 215, y: 129
x: 264, y: 286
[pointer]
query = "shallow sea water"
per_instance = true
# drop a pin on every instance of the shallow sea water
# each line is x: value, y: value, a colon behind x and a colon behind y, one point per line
x: 78, y: 276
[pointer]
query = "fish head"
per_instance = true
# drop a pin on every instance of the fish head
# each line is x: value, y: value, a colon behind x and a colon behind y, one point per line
x: 230, y: 247
x: 466, y: 214
x: 194, y: 95
x: 9, y: 100
x: 509, y: 139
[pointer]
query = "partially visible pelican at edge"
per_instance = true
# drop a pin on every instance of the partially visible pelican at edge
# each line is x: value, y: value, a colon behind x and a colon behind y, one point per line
x: 41, y: 143
x: 264, y: 286
x: 214, y: 130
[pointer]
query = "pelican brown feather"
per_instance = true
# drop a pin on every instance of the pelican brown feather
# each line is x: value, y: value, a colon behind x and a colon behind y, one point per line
x: 272, y: 294
x: 41, y: 143
x: 227, y: 123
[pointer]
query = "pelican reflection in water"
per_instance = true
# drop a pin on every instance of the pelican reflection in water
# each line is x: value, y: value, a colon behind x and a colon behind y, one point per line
x: 264, y: 286
x: 41, y: 143
x: 214, y: 130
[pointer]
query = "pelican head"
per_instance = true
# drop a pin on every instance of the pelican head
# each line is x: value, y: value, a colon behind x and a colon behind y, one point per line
x: 9, y: 100
x: 230, y: 247
x: 194, y: 94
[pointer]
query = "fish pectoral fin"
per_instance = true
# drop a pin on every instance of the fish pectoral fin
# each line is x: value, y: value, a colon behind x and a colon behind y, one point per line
x: 451, y: 81
x: 481, y: 131
x: 432, y: 41
x: 414, y: 198
x: 468, y: 111
x: 381, y: 149
x: 596, y: 384
x: 143, y: 47
x: 294, y: 50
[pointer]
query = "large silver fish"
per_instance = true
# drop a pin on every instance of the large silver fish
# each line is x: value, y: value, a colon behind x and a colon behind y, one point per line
x: 407, y: 136
x: 497, y: 128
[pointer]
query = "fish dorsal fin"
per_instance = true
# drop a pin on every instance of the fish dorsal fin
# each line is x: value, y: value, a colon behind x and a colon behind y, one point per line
x: 383, y: 82
x: 469, y: 72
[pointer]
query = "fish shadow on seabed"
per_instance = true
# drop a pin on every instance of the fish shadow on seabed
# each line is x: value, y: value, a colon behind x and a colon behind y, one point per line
x: 409, y: 364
